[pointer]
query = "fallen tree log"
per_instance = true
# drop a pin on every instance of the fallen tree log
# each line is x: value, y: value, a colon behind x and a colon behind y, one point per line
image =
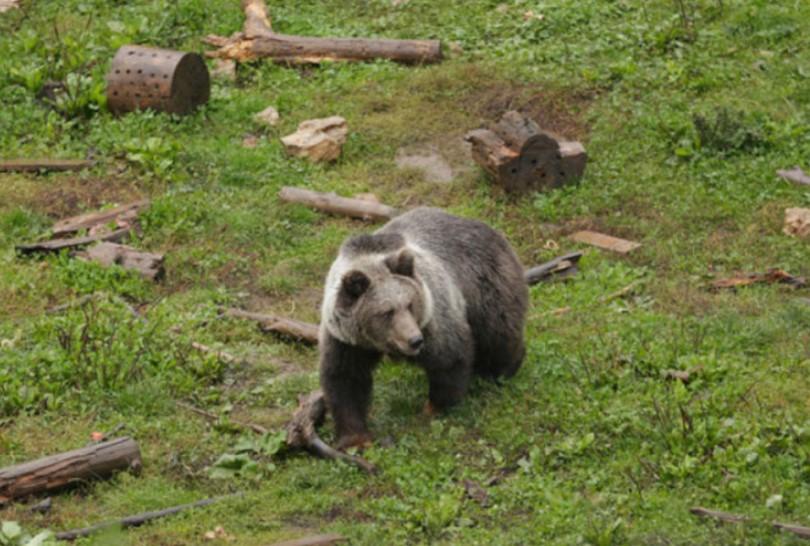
x: 56, y: 245
x: 295, y: 329
x: 138, y: 519
x: 147, y: 264
x: 258, y: 41
x: 57, y: 471
x: 36, y: 165
x: 328, y: 202
x: 123, y: 214
x: 558, y: 268
x: 522, y: 158
x: 302, y: 433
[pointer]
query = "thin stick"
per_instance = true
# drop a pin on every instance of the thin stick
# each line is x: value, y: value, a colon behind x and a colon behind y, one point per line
x: 728, y: 517
x: 258, y: 429
x: 558, y: 268
x: 296, y: 329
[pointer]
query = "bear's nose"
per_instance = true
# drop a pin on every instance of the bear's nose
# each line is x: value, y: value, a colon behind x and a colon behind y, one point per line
x: 416, y: 342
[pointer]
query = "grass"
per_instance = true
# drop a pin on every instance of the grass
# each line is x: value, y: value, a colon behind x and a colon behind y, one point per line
x: 686, y: 115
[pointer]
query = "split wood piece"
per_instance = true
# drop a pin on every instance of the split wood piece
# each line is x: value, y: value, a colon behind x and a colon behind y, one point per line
x: 258, y: 41
x: 313, y: 540
x: 772, y: 276
x: 56, y: 245
x: 317, y: 139
x: 795, y: 175
x: 44, y: 475
x: 36, y: 165
x: 258, y: 429
x: 558, y: 268
x: 522, y: 158
x: 138, y: 519
x: 149, y: 265
x: 797, y: 222
x: 295, y: 329
x: 302, y: 433
x: 123, y: 216
x: 798, y: 530
x: 622, y: 246
x: 329, y: 202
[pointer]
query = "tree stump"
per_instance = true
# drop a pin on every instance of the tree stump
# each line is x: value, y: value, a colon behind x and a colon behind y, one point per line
x: 523, y: 158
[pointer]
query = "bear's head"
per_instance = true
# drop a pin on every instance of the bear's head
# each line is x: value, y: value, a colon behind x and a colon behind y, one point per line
x: 386, y: 304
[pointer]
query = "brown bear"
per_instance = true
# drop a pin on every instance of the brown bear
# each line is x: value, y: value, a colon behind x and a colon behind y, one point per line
x: 444, y: 292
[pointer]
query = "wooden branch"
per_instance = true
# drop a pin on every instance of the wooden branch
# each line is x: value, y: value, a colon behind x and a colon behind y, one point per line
x: 258, y: 41
x: 138, y: 519
x: 36, y: 165
x: 558, y: 268
x: 728, y: 517
x: 100, y: 460
x: 258, y: 429
x: 329, y: 202
x: 125, y: 213
x: 295, y: 329
x: 313, y: 540
x: 60, y: 244
x: 147, y: 264
x: 302, y: 433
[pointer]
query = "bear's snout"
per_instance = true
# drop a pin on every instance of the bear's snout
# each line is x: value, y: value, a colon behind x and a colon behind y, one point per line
x: 416, y: 342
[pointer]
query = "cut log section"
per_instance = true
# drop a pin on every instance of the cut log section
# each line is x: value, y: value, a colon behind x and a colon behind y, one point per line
x: 37, y: 165
x: 295, y: 329
x: 56, y: 245
x: 57, y: 471
x: 147, y: 264
x: 558, y: 268
x: 258, y: 41
x: 607, y: 242
x: 123, y: 216
x: 521, y: 157
x: 329, y: 202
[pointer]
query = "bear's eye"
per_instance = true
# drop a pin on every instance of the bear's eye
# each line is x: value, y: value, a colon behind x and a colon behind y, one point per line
x: 388, y: 314
x: 410, y: 308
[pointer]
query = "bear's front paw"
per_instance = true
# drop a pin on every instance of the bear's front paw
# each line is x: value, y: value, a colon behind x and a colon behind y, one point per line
x: 360, y: 441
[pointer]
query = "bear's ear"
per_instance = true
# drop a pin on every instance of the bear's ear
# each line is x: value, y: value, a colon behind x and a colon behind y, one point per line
x: 353, y: 285
x: 401, y: 264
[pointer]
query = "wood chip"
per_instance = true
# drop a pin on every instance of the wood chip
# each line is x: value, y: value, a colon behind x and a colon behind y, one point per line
x: 318, y: 139
x: 607, y: 242
x: 797, y: 222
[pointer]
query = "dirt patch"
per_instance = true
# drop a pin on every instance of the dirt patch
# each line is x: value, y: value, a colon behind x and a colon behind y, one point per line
x: 63, y: 196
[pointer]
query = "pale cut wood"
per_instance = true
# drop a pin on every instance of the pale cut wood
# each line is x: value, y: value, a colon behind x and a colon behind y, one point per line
x: 797, y: 222
x: 328, y: 202
x: 607, y: 242
x: 36, y: 165
x: 124, y: 213
x: 56, y: 245
x: 138, y: 519
x: 259, y: 41
x: 313, y: 540
x: 147, y: 264
x: 295, y: 329
x: 317, y: 139
x: 48, y: 474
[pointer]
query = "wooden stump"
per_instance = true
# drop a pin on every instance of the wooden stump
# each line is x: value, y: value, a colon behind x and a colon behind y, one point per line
x: 522, y: 158
x: 57, y: 471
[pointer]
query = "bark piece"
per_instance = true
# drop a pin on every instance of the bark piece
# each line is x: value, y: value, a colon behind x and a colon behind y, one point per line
x: 317, y: 139
x: 313, y: 540
x: 258, y: 41
x: 56, y: 245
x: 123, y: 216
x: 607, y: 242
x: 558, y: 268
x: 302, y: 433
x: 795, y: 175
x: 147, y: 264
x: 521, y: 157
x: 797, y: 222
x: 48, y: 474
x: 36, y: 165
x: 329, y: 202
x: 268, y: 116
x: 295, y: 329
x: 138, y: 519
x: 772, y: 276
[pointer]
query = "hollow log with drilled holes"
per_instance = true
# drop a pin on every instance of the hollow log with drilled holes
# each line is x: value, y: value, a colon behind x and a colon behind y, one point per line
x: 44, y: 475
x: 522, y: 158
x: 258, y: 41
